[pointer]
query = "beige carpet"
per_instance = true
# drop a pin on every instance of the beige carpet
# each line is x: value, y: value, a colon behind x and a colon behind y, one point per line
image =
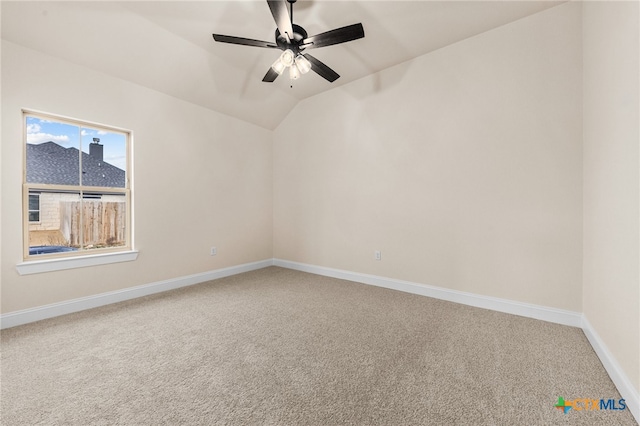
x: 277, y: 346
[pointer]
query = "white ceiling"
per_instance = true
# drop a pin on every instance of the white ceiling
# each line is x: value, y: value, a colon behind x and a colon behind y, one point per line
x: 167, y: 45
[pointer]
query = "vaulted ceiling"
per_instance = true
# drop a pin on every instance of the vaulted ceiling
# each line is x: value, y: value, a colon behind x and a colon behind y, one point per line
x: 167, y: 45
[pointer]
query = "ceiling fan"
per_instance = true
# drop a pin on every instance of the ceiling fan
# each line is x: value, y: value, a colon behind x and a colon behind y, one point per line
x: 293, y: 40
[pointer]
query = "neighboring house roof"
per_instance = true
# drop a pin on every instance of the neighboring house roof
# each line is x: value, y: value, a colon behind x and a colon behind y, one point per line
x: 51, y: 163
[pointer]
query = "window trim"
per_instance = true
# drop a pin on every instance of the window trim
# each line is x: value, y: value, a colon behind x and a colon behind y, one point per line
x: 59, y: 264
x: 87, y: 257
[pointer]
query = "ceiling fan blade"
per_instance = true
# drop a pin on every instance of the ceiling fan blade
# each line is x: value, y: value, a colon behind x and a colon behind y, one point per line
x: 321, y: 69
x: 281, y: 16
x: 244, y: 41
x: 337, y: 36
x: 270, y: 76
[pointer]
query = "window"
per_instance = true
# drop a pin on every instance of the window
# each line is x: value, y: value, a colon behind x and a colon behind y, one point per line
x: 76, y: 186
x: 34, y: 207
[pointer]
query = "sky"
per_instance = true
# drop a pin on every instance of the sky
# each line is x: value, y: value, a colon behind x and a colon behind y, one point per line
x: 68, y: 135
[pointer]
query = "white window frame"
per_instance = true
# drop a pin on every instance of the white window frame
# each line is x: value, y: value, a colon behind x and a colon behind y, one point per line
x: 83, y: 257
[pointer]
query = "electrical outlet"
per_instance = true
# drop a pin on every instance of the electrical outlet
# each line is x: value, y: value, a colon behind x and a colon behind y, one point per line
x: 214, y: 251
x: 377, y: 255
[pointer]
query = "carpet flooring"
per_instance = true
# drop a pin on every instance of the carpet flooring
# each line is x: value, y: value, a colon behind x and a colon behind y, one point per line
x: 282, y: 347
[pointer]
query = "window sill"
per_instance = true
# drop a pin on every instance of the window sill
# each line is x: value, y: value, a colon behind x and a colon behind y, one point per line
x: 50, y: 265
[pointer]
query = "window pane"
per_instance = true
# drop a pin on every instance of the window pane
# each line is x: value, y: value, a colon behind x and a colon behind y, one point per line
x: 57, y: 230
x: 53, y: 155
x: 76, y: 174
x: 104, y: 158
x: 104, y: 221
x: 34, y: 202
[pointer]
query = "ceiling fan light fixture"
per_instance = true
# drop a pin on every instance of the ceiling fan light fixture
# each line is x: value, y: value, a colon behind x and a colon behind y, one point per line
x: 303, y: 64
x: 287, y: 58
x: 278, y: 66
x: 294, y: 72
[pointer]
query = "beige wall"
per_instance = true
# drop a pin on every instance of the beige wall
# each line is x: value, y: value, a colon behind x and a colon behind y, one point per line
x: 611, y: 179
x: 463, y: 166
x: 200, y: 179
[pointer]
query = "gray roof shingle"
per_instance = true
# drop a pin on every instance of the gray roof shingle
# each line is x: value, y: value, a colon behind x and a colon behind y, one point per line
x: 50, y: 163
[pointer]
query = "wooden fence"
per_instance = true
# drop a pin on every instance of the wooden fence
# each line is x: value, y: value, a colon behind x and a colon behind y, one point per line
x: 103, y: 223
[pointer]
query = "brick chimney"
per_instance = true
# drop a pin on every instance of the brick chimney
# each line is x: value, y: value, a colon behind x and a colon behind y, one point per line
x: 95, y: 149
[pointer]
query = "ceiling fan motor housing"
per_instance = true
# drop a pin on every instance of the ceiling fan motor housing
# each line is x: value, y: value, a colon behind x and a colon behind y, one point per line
x: 299, y: 34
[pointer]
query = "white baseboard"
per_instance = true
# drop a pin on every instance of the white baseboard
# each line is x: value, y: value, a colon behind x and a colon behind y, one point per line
x: 544, y: 313
x: 619, y: 378
x: 16, y: 318
x: 559, y: 316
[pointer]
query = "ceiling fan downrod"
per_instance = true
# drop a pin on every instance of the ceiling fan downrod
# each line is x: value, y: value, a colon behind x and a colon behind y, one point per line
x: 291, y: 2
